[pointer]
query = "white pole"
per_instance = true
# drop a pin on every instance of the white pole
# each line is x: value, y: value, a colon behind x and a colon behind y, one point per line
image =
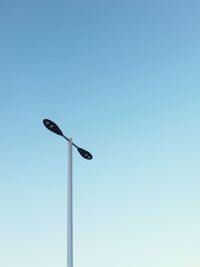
x: 70, y: 208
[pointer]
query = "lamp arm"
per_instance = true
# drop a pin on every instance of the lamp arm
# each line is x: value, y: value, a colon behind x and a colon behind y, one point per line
x: 66, y: 138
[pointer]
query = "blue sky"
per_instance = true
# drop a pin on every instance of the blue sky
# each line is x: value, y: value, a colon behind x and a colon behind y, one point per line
x: 122, y: 79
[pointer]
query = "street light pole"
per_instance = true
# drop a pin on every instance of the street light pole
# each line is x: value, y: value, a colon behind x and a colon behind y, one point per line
x: 50, y: 125
x: 70, y: 207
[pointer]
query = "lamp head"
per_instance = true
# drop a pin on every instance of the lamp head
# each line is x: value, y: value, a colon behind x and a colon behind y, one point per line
x: 50, y: 125
x: 84, y: 153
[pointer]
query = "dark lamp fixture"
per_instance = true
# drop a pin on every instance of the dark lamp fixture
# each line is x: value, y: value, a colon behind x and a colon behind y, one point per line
x: 50, y: 125
x: 53, y: 127
x: 85, y: 154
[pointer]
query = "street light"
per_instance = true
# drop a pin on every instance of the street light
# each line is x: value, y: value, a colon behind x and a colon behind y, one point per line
x: 53, y: 127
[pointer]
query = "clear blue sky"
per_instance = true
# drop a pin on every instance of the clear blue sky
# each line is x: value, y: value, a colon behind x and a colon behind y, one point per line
x: 122, y: 79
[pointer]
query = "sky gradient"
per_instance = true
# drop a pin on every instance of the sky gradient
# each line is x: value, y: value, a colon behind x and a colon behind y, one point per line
x: 121, y: 79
